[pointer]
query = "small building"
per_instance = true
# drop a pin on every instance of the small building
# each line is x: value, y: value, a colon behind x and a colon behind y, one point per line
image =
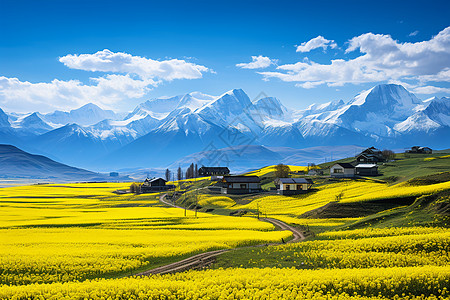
x: 315, y: 172
x: 240, y: 184
x: 114, y: 174
x: 213, y: 171
x: 370, y: 155
x: 154, y: 185
x: 342, y: 170
x: 422, y: 150
x: 293, y: 186
x: 366, y: 170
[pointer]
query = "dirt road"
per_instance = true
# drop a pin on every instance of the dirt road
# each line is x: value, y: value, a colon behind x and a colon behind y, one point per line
x: 202, y: 260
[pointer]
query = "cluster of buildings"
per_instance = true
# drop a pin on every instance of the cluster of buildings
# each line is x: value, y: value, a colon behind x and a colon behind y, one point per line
x: 366, y: 164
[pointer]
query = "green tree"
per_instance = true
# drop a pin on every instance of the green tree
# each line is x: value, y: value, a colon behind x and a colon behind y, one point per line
x: 282, y: 171
x: 167, y: 174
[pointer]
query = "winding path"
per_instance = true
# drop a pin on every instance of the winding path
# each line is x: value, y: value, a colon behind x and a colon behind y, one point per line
x: 204, y: 259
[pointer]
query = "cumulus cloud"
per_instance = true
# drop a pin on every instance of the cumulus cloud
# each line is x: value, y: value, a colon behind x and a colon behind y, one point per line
x: 120, y: 62
x: 24, y: 96
x: 317, y: 42
x: 381, y: 59
x: 414, y: 33
x: 129, y: 77
x: 258, y: 62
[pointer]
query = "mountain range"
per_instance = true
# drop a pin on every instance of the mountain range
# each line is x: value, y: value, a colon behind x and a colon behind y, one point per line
x: 165, y: 130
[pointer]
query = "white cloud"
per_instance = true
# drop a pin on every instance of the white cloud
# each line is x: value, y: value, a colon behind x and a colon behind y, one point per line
x: 429, y: 89
x: 137, y: 76
x: 382, y: 59
x: 258, y: 62
x: 317, y: 42
x: 24, y: 96
x: 120, y: 62
x: 414, y: 33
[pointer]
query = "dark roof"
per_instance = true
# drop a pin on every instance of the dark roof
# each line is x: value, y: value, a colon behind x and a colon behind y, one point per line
x: 215, y: 169
x: 294, y: 180
x: 238, y: 179
x: 156, y: 179
x: 346, y: 165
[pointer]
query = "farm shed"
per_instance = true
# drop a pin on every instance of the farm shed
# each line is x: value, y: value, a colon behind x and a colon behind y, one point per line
x: 293, y: 186
x: 366, y: 169
x: 342, y: 170
x: 240, y: 184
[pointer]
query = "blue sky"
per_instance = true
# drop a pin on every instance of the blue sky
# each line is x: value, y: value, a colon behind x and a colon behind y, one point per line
x: 51, y: 52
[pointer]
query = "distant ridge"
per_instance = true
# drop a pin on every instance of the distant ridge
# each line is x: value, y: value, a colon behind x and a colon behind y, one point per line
x: 15, y: 163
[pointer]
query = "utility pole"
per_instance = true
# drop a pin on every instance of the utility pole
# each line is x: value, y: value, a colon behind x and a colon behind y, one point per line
x: 257, y: 208
x: 185, y: 203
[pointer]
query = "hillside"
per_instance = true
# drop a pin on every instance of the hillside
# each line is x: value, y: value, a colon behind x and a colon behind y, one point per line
x: 15, y: 163
x: 404, y: 181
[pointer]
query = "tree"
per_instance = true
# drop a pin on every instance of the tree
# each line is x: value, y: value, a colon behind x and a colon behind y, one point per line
x: 388, y: 154
x: 190, y: 172
x: 282, y: 171
x: 135, y: 188
x: 167, y: 174
x: 196, y: 171
x: 179, y: 174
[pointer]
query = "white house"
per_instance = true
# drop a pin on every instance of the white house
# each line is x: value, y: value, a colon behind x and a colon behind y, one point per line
x: 342, y: 170
x: 292, y: 186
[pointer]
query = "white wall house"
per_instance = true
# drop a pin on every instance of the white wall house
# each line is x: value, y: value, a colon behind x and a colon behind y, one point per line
x: 342, y: 170
x: 292, y: 186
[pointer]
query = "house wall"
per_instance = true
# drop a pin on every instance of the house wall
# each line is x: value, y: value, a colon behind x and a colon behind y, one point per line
x: 333, y: 172
x: 367, y: 171
x: 344, y: 173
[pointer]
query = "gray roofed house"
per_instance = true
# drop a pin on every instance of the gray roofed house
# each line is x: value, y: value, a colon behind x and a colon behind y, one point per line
x: 293, y: 186
x: 240, y: 184
x: 370, y: 155
x: 342, y: 170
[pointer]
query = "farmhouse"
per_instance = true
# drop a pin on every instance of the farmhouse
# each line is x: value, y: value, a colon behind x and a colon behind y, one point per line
x: 240, y: 184
x: 366, y: 169
x: 213, y: 171
x: 423, y: 150
x: 155, y: 184
x: 342, y: 170
x: 293, y: 186
x: 370, y: 155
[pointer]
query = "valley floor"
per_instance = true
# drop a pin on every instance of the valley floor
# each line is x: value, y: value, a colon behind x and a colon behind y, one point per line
x: 365, y: 239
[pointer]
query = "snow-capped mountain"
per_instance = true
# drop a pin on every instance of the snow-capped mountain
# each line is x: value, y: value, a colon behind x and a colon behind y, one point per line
x: 162, y: 130
x: 88, y: 114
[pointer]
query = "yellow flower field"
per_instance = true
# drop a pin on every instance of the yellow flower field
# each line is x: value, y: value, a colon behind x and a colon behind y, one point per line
x: 428, y: 282
x: 86, y: 231
x: 268, y: 169
x: 348, y: 190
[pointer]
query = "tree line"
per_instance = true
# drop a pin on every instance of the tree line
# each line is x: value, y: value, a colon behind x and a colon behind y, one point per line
x: 191, y: 172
